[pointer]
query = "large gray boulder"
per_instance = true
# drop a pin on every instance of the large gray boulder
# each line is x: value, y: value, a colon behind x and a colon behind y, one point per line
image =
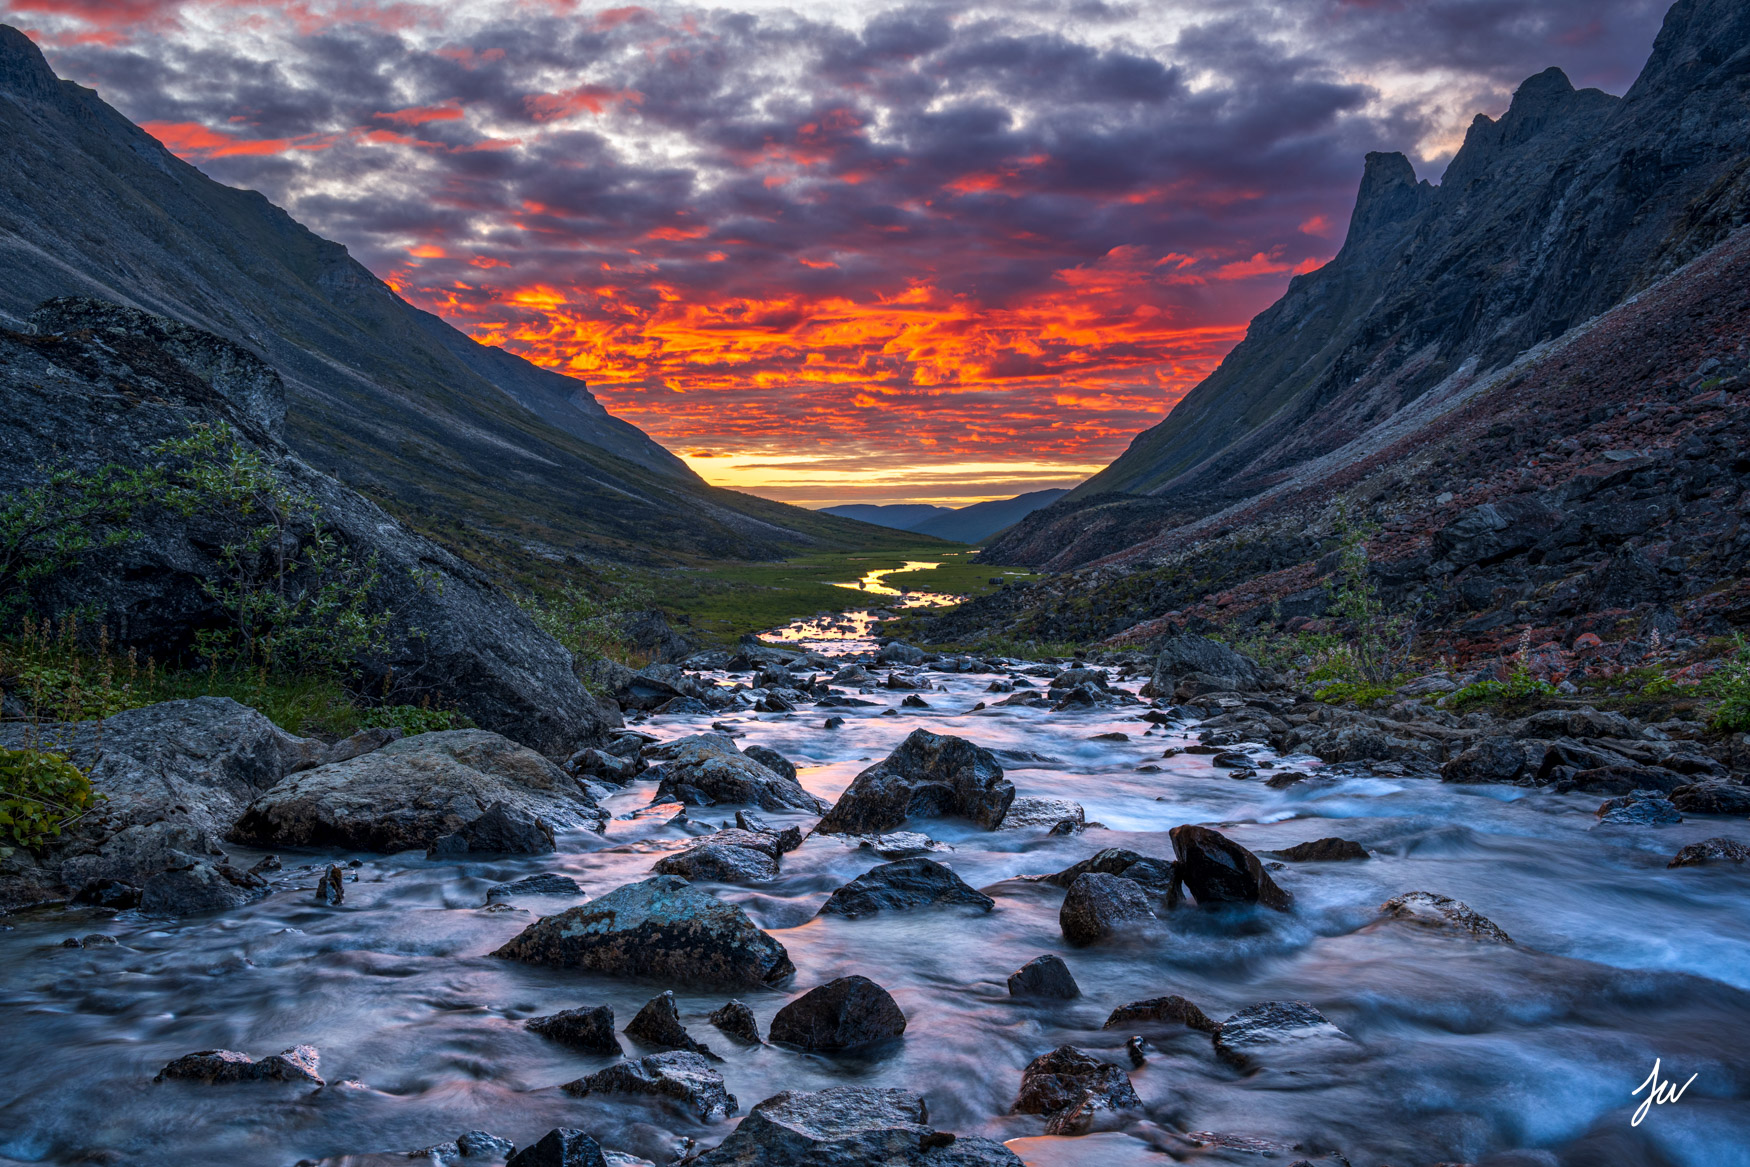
x: 1183, y: 656
x: 731, y: 855
x: 660, y: 929
x: 842, y: 1014
x: 1098, y: 906
x: 707, y: 768
x: 928, y: 776
x: 414, y: 791
x: 907, y: 883
x: 679, y: 1075
x: 103, y: 384
x: 849, y: 1126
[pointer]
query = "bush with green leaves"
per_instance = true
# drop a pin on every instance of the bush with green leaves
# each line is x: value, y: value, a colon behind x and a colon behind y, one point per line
x: 414, y: 719
x: 1375, y: 648
x: 1520, y: 685
x: 40, y: 794
x: 1729, y: 686
x: 593, y: 627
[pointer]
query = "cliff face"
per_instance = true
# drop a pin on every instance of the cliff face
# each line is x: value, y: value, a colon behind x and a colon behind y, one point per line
x: 385, y: 397
x: 1566, y: 206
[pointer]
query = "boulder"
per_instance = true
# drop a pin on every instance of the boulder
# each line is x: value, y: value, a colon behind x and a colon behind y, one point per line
x: 1621, y: 780
x: 1496, y: 530
x: 1639, y: 808
x: 1057, y: 816
x: 1495, y: 759
x: 560, y: 1147
x: 728, y: 856
x: 902, y: 845
x: 772, y: 760
x: 928, y: 776
x: 331, y: 888
x: 413, y: 792
x: 199, y: 887
x: 1062, y: 1078
x: 1099, y: 906
x: 545, y: 884
x: 500, y: 830
x: 1731, y: 798
x: 895, y: 652
x: 1044, y: 976
x: 1715, y: 850
x: 708, y: 764
x: 1328, y: 850
x: 590, y: 1030
x: 1182, y: 656
x: 1217, y: 870
x: 603, y: 766
x: 223, y: 1066
x: 842, y: 1014
x: 1173, y: 1010
x: 1427, y: 909
x: 907, y: 883
x: 659, y: 1024
x: 849, y: 1126
x: 680, y: 1075
x: 737, y: 1020
x: 1275, y: 1027
x: 660, y: 928
x: 1116, y: 861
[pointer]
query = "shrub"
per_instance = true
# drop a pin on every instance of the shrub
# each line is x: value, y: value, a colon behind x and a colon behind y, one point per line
x: 40, y: 793
x: 1730, y: 688
x: 1518, y: 686
x: 415, y: 719
x: 1346, y: 692
x: 591, y: 628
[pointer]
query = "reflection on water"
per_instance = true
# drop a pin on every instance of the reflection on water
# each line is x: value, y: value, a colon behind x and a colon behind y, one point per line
x: 875, y: 583
x: 1462, y: 1050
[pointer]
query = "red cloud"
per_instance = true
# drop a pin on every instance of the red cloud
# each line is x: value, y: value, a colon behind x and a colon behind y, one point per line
x: 419, y: 115
x: 547, y: 107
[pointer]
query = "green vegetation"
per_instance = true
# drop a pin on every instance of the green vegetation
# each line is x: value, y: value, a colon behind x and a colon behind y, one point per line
x: 1376, y: 648
x: 1349, y: 693
x: 1729, y: 686
x: 1520, y: 685
x: 40, y: 793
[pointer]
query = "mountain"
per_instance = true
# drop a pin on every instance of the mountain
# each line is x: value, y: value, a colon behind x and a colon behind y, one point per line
x: 968, y: 524
x: 392, y: 401
x: 1568, y: 205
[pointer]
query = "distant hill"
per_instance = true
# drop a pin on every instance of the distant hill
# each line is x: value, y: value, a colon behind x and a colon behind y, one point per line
x: 967, y: 524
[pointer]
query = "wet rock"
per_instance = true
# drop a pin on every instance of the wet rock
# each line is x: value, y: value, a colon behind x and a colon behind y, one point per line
x: 1070, y: 678
x: 737, y: 1020
x: 1731, y: 798
x: 545, y: 884
x: 1639, y: 808
x: 1274, y: 1027
x: 604, y: 766
x: 913, y: 701
x: 265, y: 864
x: 1044, y: 976
x: 1115, y: 861
x: 500, y: 830
x: 896, y: 652
x: 1059, y: 816
x: 786, y: 840
x: 729, y: 856
x: 660, y: 928
x: 1172, y: 1010
x: 907, y: 883
x: 1231, y: 760
x: 710, y: 763
x: 484, y: 1145
x: 1185, y: 656
x: 659, y: 1024
x: 849, y: 1126
x: 1621, y: 780
x: 1431, y: 910
x: 413, y: 792
x: 902, y: 845
x: 842, y: 1014
x: 1328, y: 850
x: 1099, y: 906
x: 590, y: 1030
x: 200, y: 887
x: 1061, y: 1079
x: 100, y: 940
x: 928, y: 776
x: 109, y: 893
x: 680, y: 1075
x: 772, y: 760
x: 1715, y: 850
x: 832, y: 723
x: 1495, y: 759
x: 560, y: 1147
x: 1218, y: 870
x: 331, y: 888
x: 223, y: 1066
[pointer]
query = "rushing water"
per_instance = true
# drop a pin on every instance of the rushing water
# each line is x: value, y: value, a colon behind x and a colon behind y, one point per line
x: 1462, y: 1050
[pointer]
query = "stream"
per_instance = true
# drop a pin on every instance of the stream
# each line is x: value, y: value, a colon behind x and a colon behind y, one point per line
x: 1522, y: 1054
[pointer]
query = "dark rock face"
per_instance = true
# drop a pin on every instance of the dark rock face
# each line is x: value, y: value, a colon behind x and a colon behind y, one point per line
x: 729, y: 856
x: 1116, y: 861
x: 842, y: 1014
x: 1442, y: 913
x: 661, y: 928
x: 1617, y: 779
x: 1099, y: 906
x: 659, y: 1024
x: 413, y: 792
x: 199, y: 887
x: 1218, y: 870
x: 1496, y: 759
x: 1273, y: 1028
x: 1731, y: 798
x: 590, y: 1030
x: 1185, y: 656
x: 708, y: 764
x: 737, y: 1020
x: 1057, y: 816
x: 1716, y: 850
x: 1174, y: 1010
x: 928, y: 776
x: 1639, y: 808
x: 772, y: 760
x: 500, y: 830
x: 1061, y: 1079
x: 223, y: 1066
x: 1044, y: 976
x: 686, y: 1078
x: 907, y: 883
x: 331, y: 888
x: 560, y: 1147
x: 1329, y: 850
x: 546, y: 884
x: 849, y: 1126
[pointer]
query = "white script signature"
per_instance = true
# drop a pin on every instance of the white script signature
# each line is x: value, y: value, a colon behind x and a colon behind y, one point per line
x: 1658, y: 1091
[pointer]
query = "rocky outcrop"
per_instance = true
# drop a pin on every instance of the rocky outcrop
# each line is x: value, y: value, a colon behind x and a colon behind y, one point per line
x: 590, y: 1030
x: 1715, y: 850
x: 501, y: 830
x: 707, y: 768
x: 843, y: 1014
x: 731, y: 855
x: 1100, y: 906
x: 849, y: 1126
x: 1197, y: 657
x: 560, y: 1147
x: 662, y: 928
x: 1131, y: 865
x: 907, y: 883
x: 199, y: 887
x: 224, y: 1067
x: 1217, y: 870
x: 415, y: 791
x: 680, y: 1076
x: 659, y: 1024
x: 1066, y: 1076
x: 1277, y: 1029
x: 1173, y: 1010
x: 928, y: 776
x: 1426, y: 909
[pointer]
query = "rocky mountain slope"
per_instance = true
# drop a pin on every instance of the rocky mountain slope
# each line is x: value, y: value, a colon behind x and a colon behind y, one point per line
x: 389, y: 399
x: 1565, y: 207
x: 967, y: 524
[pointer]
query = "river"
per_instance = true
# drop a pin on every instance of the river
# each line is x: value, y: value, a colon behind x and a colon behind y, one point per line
x: 1522, y: 1054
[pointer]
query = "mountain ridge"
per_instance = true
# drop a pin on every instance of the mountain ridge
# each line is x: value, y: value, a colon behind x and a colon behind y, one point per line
x: 968, y: 524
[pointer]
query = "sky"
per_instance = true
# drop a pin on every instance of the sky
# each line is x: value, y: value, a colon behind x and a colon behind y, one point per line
x: 859, y: 252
